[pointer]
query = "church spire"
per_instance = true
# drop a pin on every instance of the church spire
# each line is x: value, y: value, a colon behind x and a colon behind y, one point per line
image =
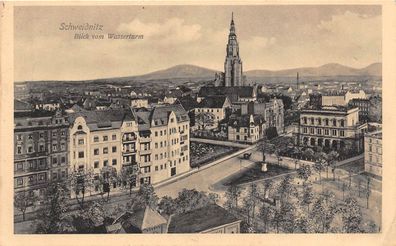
x: 232, y: 26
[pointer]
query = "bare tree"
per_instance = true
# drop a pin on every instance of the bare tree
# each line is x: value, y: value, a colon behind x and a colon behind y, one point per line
x: 23, y: 200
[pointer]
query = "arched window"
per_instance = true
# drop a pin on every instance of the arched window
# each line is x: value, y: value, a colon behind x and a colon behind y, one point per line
x: 79, y: 127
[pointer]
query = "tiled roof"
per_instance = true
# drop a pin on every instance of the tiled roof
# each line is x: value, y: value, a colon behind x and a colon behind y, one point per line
x: 188, y: 103
x: 244, y: 120
x: 233, y: 92
x: 140, y: 219
x: 200, y: 219
x: 212, y: 102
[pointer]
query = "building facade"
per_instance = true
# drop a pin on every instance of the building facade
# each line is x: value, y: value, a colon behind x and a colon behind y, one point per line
x: 154, y: 142
x: 246, y: 128
x: 40, y: 150
x: 364, y: 107
x: 273, y: 112
x: 373, y: 153
x: 331, y: 127
x: 210, y: 111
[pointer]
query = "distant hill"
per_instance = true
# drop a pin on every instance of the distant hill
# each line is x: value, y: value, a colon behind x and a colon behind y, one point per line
x: 331, y: 69
x: 179, y: 71
x: 186, y: 72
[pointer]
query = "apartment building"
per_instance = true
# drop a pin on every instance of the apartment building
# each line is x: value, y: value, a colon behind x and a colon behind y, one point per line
x: 341, y: 97
x: 40, y: 149
x: 373, y: 152
x: 331, y: 127
x: 155, y: 142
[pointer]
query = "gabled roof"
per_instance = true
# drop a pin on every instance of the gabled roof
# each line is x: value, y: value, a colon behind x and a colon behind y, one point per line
x: 188, y: 102
x: 213, y: 102
x: 140, y: 219
x: 200, y: 219
x: 244, y: 120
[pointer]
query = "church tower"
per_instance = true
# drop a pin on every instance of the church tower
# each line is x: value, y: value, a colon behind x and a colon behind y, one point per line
x: 233, y: 63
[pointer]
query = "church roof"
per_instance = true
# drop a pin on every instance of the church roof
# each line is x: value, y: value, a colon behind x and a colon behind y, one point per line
x: 233, y: 92
x: 213, y: 102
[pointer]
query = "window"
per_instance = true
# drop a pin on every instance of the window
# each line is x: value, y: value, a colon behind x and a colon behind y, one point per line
x: 305, y: 130
x: 54, y: 160
x: 342, y: 134
x: 19, y: 181
x: 96, y: 164
x: 161, y: 144
x: 63, y: 146
x: 79, y: 127
x: 54, y: 147
x: 96, y: 151
x: 334, y: 132
x: 156, y: 168
x: 320, y: 121
x: 96, y: 139
x: 114, y: 137
x: 30, y: 136
x: 312, y: 121
x: 305, y: 120
x: 105, y: 138
x: 319, y: 131
x: 19, y: 166
x: 156, y: 145
x: 19, y: 149
x: 326, y: 122
x: 146, y: 158
x: 334, y: 122
x: 81, y: 154
x: 19, y: 137
x: 326, y: 131
x: 114, y: 162
x: 156, y: 133
x: 30, y: 149
x: 105, y: 163
x: 54, y: 176
x: 156, y: 157
x: 80, y: 141
x: 41, y: 135
x: 54, y: 134
x: 105, y: 150
x: 312, y: 130
x: 160, y: 133
x: 63, y: 159
x: 114, y: 149
x: 342, y: 122
x: 161, y: 167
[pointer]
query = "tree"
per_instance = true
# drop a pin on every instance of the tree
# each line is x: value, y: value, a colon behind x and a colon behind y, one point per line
x: 268, y: 186
x: 146, y: 196
x: 308, y: 195
x: 52, y: 218
x: 167, y: 205
x: 213, y: 197
x: 23, y: 200
x: 191, y: 199
x: 128, y: 176
x: 332, y: 158
x: 80, y: 182
x: 304, y: 172
x: 309, y: 153
x: 320, y: 163
x: 250, y: 203
x: 232, y: 195
x: 288, y: 217
x: 86, y: 220
x: 324, y: 210
x: 271, y: 133
x: 108, y: 176
x: 351, y: 215
x: 286, y: 188
x: 266, y: 215
x: 205, y: 119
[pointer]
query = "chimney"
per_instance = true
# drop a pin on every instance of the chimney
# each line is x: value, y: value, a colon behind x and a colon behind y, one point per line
x: 297, y: 81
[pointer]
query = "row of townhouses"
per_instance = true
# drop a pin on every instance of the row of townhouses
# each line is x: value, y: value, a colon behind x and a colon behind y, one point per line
x: 50, y: 145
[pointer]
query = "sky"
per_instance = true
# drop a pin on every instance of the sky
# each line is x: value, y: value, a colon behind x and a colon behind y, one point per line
x: 270, y: 37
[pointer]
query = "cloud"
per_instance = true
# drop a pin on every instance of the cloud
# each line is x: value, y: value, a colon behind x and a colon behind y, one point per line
x: 172, y: 31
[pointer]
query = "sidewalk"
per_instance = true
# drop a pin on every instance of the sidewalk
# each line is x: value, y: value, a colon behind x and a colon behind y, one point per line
x: 218, y: 142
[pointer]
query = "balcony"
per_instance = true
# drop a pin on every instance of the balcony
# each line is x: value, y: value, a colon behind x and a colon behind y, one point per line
x: 145, y: 152
x: 145, y: 139
x: 127, y: 151
x: 128, y: 139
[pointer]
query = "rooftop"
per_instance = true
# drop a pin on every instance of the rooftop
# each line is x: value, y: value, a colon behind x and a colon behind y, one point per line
x: 200, y: 219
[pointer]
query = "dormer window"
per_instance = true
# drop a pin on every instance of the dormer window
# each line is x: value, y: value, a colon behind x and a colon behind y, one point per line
x: 79, y: 127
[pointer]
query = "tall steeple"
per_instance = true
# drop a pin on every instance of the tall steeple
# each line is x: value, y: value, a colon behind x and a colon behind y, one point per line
x: 233, y: 64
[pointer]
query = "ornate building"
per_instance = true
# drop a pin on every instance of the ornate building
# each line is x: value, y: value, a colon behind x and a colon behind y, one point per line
x: 233, y: 73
